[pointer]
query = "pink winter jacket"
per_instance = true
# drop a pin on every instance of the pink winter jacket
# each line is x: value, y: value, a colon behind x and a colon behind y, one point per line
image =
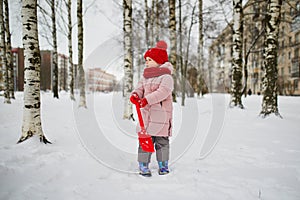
x: 157, y: 114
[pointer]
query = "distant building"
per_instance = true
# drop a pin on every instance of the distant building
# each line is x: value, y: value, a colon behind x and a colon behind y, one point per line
x: 63, y: 63
x: 220, y: 62
x: 288, y: 54
x: 46, y: 70
x: 18, y: 63
x: 99, y: 80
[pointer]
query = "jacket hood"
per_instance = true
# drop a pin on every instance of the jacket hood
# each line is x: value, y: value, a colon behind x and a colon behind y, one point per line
x: 167, y: 65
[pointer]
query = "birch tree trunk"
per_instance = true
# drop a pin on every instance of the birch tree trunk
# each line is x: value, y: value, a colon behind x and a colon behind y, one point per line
x: 157, y: 22
x: 183, y: 92
x: 269, y: 103
x: 237, y: 61
x: 54, y: 59
x: 3, y: 56
x: 147, y: 24
x: 32, y: 124
x: 128, y: 60
x: 70, y: 46
x: 152, y: 19
x: 173, y: 42
x: 8, y: 52
x: 200, y: 49
x: 82, y: 100
x: 180, y: 50
x: 245, y: 66
x: 2, y: 72
x: 140, y: 58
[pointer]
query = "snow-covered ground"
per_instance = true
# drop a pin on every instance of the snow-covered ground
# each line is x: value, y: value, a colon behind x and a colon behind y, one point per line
x: 216, y: 152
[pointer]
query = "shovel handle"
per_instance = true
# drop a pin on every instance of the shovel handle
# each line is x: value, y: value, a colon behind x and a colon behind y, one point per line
x: 141, y: 121
x: 145, y: 140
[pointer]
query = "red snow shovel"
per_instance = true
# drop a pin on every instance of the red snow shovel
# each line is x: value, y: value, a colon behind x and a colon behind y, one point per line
x: 145, y: 139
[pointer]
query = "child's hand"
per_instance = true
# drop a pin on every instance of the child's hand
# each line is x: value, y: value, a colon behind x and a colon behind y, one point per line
x: 134, y: 98
x: 143, y: 102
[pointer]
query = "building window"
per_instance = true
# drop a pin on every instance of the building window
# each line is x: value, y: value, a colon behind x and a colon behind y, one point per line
x: 223, y: 49
x: 296, y: 53
x: 282, y: 71
x: 256, y: 10
x: 297, y: 38
x: 290, y: 41
x: 295, y: 69
x: 254, y: 64
x: 296, y: 84
x: 289, y: 55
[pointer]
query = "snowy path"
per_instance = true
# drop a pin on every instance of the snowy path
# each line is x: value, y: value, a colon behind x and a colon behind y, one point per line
x: 93, y: 155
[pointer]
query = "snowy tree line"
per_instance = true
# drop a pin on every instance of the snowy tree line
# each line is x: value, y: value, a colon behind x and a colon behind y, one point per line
x: 159, y: 26
x: 173, y: 21
x: 30, y: 38
x: 270, y: 34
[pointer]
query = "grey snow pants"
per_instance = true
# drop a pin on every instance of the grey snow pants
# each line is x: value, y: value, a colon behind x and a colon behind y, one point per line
x: 162, y: 150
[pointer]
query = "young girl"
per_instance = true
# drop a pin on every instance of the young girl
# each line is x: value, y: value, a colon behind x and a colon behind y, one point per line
x: 154, y: 94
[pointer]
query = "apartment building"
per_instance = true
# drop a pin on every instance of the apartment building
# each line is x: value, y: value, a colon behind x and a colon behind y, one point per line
x: 288, y: 53
x: 63, y: 63
x: 100, y: 80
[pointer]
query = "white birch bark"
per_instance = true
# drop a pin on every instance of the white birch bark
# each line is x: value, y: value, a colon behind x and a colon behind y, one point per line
x: 237, y: 61
x: 3, y: 56
x: 70, y: 46
x: 32, y: 124
x: 82, y: 99
x: 269, y: 103
x: 173, y: 43
x: 55, y: 58
x: 128, y: 58
x: 8, y: 52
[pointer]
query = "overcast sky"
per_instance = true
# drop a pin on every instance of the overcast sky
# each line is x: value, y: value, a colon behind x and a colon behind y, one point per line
x: 101, y: 23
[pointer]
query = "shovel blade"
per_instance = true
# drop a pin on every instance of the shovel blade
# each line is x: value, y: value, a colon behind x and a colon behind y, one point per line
x: 146, y: 144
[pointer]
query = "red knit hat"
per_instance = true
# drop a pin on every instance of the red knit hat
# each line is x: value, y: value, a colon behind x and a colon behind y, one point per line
x: 158, y: 53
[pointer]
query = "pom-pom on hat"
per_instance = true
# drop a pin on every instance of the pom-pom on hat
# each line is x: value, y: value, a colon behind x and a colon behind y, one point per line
x: 158, y: 53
